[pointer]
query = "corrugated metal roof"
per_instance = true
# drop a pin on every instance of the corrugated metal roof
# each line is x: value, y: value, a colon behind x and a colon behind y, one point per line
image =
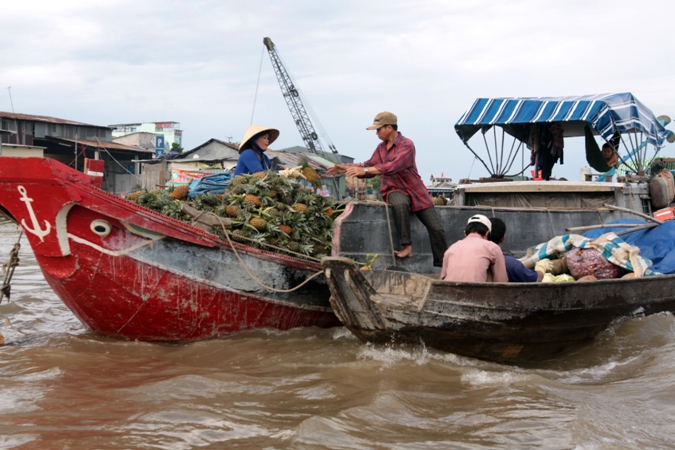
x: 34, y: 118
x: 292, y: 160
x: 106, y: 145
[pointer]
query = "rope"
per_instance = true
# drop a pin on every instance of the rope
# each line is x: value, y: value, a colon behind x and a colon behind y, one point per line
x: 8, y: 268
x: 260, y: 283
x: 101, y: 147
x: 391, y: 238
x: 255, y: 98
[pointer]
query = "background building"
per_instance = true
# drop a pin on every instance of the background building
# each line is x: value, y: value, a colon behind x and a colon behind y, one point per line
x: 72, y: 143
x: 170, y: 130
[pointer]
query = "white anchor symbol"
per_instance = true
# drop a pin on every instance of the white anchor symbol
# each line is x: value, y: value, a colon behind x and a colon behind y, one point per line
x: 36, y: 230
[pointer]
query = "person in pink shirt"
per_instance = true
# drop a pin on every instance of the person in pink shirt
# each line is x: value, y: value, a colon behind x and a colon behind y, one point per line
x: 474, y: 257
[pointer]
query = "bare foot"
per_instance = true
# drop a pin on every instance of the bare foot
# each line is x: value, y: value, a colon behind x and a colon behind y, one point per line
x: 405, y: 253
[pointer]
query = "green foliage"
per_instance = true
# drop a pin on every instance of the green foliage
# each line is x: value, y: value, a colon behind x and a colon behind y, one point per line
x: 176, y: 147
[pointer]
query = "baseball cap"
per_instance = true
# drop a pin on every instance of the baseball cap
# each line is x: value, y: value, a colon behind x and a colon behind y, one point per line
x: 481, y: 219
x: 382, y: 119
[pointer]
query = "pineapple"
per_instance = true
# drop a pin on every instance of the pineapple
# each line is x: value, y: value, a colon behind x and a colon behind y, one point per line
x: 309, y: 172
x: 286, y: 229
x: 133, y: 197
x: 254, y: 199
x: 272, y: 212
x: 239, y: 179
x: 180, y: 192
x: 238, y: 236
x: 329, y: 211
x: 232, y: 210
x: 259, y: 223
x: 294, y: 246
x: 300, y: 207
x: 260, y: 175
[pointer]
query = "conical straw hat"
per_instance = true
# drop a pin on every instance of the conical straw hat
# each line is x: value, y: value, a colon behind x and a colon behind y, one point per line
x: 255, y: 129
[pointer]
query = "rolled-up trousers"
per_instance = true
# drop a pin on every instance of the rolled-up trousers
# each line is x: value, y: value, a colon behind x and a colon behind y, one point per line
x: 400, y: 204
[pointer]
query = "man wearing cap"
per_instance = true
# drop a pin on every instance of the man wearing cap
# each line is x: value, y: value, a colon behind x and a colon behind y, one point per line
x: 474, y: 257
x: 402, y: 186
x: 252, y: 157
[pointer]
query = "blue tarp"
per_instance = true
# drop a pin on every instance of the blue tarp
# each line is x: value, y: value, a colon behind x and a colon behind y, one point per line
x: 604, y: 113
x: 214, y: 184
x: 656, y: 244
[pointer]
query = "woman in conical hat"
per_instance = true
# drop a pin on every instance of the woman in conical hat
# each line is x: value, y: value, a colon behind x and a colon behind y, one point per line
x: 252, y: 156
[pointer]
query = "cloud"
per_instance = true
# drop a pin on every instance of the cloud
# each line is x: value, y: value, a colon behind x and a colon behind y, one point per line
x: 198, y: 63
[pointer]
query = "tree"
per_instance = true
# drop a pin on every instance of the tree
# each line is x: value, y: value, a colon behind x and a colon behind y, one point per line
x: 175, y: 147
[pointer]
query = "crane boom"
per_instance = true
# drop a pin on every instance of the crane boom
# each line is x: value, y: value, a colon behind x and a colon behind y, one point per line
x: 294, y: 103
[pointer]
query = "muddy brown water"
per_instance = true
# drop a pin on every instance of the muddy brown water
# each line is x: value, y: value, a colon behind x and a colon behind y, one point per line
x: 63, y: 387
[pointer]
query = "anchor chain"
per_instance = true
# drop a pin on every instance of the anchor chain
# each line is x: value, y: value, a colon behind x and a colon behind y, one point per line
x: 8, y: 269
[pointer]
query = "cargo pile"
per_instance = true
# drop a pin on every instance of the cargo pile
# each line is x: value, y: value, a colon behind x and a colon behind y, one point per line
x: 263, y: 210
x: 578, y: 264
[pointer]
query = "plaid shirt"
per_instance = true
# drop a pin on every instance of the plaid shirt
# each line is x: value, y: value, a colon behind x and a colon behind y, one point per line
x: 399, y: 172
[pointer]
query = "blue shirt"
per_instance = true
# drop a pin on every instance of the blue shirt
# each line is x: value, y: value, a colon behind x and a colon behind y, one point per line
x: 249, y: 163
x: 517, y: 271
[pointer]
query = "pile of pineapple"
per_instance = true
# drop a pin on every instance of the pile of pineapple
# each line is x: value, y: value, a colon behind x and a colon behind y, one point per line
x: 266, y: 210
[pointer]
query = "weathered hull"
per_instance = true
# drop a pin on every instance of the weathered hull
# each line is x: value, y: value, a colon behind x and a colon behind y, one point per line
x: 505, y: 322
x: 131, y: 273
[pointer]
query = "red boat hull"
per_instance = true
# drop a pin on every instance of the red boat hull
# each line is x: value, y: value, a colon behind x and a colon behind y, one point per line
x: 128, y: 272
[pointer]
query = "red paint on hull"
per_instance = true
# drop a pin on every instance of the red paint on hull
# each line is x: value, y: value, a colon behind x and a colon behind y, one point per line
x: 123, y: 298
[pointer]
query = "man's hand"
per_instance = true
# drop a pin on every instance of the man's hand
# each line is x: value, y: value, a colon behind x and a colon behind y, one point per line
x: 356, y: 171
x: 336, y: 169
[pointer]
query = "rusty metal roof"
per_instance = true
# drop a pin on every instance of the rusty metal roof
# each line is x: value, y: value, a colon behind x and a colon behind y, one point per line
x: 34, y: 118
x: 106, y: 145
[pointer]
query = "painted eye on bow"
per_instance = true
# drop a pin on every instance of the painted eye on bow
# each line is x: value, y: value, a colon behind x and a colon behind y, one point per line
x: 101, y: 227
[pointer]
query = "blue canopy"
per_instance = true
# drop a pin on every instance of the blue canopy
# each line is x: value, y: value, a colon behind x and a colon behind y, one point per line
x: 604, y: 113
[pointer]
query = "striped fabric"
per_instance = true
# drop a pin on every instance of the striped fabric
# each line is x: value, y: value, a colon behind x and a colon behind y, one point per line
x: 605, y: 113
x: 613, y: 248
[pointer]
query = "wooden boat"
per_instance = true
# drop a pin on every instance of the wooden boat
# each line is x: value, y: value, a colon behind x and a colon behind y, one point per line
x: 507, y: 322
x: 504, y: 322
x: 129, y: 272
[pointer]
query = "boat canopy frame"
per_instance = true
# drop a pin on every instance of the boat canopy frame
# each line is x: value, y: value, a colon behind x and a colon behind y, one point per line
x: 614, y: 117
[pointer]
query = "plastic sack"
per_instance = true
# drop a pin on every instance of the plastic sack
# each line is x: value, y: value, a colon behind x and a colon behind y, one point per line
x: 589, y: 261
x: 215, y: 184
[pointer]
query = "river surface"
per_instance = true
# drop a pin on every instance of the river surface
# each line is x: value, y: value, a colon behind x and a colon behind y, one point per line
x: 64, y: 387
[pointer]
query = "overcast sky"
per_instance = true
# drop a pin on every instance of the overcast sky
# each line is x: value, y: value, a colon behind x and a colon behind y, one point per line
x: 197, y: 62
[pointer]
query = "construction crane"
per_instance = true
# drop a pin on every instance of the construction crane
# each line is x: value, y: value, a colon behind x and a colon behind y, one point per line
x: 292, y: 97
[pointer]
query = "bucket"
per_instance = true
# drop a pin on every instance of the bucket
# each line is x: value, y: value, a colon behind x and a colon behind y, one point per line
x: 666, y: 175
x: 659, y: 192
